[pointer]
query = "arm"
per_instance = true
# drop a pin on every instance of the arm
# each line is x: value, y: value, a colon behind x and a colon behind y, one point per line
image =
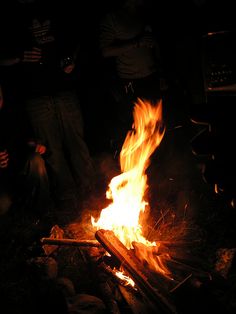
x: 109, y: 45
x: 68, y: 62
x: 9, y: 61
x: 36, y: 146
x: 4, y: 156
x: 118, y: 49
x: 33, y: 55
x: 4, y: 159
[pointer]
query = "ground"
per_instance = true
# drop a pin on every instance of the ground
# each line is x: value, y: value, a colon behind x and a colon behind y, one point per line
x: 182, y: 208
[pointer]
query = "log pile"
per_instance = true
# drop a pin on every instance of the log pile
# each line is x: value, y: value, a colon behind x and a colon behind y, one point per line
x: 152, y: 291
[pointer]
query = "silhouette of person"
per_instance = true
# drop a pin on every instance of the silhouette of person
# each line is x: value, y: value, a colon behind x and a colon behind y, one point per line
x: 24, y: 182
x: 126, y: 36
x: 44, y: 50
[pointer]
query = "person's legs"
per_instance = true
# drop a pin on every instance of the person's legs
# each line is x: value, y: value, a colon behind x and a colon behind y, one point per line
x: 8, y: 179
x: 32, y: 186
x: 24, y: 188
x: 5, y: 201
x: 76, y: 149
x: 44, y: 120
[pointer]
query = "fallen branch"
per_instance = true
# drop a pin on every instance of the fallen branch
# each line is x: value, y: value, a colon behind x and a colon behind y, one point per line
x: 72, y: 242
x: 159, y: 300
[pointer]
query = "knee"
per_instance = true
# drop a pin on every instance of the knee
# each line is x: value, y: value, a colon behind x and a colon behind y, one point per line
x: 5, y: 203
x: 37, y: 164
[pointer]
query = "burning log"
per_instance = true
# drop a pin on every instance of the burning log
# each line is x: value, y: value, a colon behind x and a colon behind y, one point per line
x: 180, y: 266
x: 103, y: 284
x: 157, y: 297
x: 127, y: 292
x: 72, y: 242
x: 181, y: 271
x: 179, y: 243
x: 108, y: 296
x: 135, y: 304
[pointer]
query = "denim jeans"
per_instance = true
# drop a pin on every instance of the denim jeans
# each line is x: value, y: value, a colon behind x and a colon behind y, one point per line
x: 57, y: 122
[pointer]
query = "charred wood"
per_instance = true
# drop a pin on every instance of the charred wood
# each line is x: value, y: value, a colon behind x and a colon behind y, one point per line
x: 135, y: 304
x: 72, y: 242
x: 158, y: 297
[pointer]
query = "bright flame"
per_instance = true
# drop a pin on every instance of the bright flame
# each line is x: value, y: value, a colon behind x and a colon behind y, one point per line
x: 125, y: 278
x: 127, y: 190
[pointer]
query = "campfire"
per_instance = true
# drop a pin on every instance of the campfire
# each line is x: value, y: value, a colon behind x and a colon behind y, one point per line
x: 127, y: 190
x: 148, y: 267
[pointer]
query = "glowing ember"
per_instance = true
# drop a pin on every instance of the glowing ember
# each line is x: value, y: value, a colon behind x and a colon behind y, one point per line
x: 126, y: 279
x: 127, y: 190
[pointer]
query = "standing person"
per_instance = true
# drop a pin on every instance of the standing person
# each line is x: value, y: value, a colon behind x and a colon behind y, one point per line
x: 126, y: 36
x: 46, y: 52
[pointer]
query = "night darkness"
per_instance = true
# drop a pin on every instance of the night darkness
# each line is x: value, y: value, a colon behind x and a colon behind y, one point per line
x: 191, y: 177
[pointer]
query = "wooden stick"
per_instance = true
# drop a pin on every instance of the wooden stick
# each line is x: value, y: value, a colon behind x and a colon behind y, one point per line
x: 135, y: 303
x: 72, y: 242
x: 180, y: 283
x: 159, y: 300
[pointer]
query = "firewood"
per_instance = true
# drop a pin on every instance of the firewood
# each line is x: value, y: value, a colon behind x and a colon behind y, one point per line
x: 158, y: 298
x: 72, y: 242
x: 135, y: 304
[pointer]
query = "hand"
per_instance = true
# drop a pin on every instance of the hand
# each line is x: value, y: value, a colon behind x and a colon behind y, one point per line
x: 41, y: 149
x: 34, y: 55
x: 69, y: 68
x: 36, y: 147
x: 67, y: 64
x: 4, y: 159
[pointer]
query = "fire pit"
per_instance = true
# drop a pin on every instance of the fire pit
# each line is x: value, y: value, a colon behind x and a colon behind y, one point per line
x: 145, y: 273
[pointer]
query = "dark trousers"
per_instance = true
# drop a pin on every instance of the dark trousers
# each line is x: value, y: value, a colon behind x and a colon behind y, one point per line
x: 57, y: 121
x: 125, y: 93
x: 26, y: 189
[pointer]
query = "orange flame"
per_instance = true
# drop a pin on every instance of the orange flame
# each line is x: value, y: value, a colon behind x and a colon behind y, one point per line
x: 125, y: 278
x: 127, y: 190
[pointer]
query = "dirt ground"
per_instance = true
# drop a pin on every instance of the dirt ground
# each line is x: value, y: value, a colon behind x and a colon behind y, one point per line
x: 182, y: 207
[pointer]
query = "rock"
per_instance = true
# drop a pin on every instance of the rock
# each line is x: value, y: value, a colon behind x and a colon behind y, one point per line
x: 86, y: 304
x: 47, y: 265
x: 66, y: 286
